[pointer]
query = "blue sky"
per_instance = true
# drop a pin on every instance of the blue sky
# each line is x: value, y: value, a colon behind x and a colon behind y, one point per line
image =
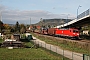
x: 23, y: 10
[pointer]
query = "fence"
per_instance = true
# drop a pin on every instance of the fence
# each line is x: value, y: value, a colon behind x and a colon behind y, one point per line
x: 64, y: 53
x: 86, y: 57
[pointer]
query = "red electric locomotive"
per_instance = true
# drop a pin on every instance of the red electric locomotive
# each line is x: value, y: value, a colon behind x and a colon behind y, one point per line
x: 70, y: 32
x: 67, y: 32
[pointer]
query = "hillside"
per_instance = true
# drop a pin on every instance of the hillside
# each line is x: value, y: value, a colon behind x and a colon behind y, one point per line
x: 52, y: 22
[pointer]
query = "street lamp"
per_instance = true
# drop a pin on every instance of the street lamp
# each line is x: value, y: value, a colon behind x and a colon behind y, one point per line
x: 1, y: 16
x: 67, y: 19
x: 77, y: 10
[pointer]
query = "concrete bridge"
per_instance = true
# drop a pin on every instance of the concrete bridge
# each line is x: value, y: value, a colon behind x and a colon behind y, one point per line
x: 81, y: 20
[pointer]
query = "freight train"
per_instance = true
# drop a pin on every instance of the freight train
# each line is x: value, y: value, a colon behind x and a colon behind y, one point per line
x: 62, y: 32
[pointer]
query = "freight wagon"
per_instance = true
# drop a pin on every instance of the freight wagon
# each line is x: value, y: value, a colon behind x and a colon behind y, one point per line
x: 44, y: 31
x: 52, y: 31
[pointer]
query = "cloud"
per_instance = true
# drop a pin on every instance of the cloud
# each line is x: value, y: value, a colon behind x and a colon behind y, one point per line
x: 2, y: 7
x: 12, y: 16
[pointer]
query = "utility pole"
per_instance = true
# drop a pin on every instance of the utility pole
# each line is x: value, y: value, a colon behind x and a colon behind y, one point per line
x: 1, y: 16
x: 1, y: 11
x: 41, y: 22
x: 30, y: 25
x: 30, y: 21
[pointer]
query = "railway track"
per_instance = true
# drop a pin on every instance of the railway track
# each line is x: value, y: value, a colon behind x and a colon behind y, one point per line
x: 81, y: 46
x: 73, y: 40
x: 87, y: 41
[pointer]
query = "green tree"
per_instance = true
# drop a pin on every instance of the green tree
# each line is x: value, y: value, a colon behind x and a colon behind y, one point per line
x: 1, y: 26
x: 12, y: 29
x: 17, y: 27
x: 6, y: 26
x: 49, y: 26
x: 22, y: 28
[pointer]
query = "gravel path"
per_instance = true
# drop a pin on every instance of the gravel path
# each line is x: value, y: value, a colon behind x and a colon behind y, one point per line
x: 65, y: 53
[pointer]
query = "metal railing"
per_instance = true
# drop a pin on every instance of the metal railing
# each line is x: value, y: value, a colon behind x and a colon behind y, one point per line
x: 86, y: 57
x: 85, y: 13
x: 65, y: 53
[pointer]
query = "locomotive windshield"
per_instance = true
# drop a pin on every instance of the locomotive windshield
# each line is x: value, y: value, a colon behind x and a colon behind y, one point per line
x: 75, y: 31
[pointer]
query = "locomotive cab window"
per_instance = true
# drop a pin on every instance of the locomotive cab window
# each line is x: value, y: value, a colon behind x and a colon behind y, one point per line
x: 75, y: 31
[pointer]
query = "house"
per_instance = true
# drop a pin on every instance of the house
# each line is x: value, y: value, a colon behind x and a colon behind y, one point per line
x: 0, y: 34
x: 15, y: 37
x: 86, y: 32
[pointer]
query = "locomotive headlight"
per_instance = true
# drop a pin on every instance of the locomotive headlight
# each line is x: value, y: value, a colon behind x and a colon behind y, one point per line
x: 77, y: 34
x: 74, y: 33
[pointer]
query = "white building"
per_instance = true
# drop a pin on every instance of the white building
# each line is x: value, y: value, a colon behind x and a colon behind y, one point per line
x: 86, y: 32
x: 0, y: 35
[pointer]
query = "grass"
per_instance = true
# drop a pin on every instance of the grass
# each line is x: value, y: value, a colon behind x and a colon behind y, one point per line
x: 1, y: 40
x: 28, y: 53
x: 24, y: 54
x: 63, y: 45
